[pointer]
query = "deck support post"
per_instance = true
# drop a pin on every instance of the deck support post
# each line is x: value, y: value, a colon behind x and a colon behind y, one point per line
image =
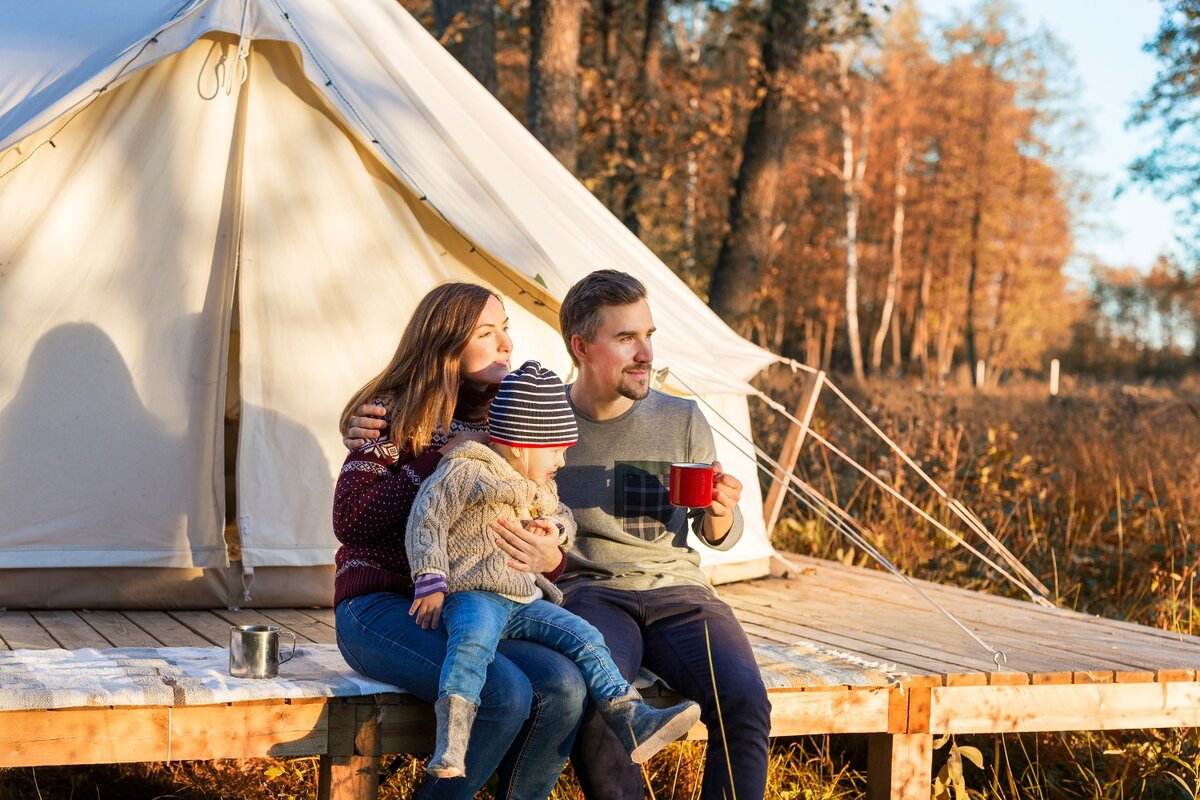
x: 350, y: 770
x: 899, y: 766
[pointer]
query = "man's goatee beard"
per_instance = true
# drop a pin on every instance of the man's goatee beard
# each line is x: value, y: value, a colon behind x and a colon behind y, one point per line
x: 632, y: 393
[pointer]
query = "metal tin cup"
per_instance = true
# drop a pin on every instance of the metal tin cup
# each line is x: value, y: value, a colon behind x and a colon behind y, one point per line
x: 254, y: 650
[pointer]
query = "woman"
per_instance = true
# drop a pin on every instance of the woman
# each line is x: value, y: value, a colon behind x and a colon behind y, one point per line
x: 451, y: 357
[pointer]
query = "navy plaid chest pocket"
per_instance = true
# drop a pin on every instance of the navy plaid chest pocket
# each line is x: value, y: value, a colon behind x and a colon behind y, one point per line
x: 643, y: 502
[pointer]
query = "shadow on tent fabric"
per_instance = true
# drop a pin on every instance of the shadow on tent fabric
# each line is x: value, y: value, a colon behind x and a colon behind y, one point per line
x: 87, y: 466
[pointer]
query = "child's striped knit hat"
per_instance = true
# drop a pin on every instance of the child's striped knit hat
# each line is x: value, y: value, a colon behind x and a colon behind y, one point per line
x: 531, y: 410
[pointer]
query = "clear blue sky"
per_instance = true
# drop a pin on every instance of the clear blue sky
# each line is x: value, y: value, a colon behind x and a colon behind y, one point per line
x: 1105, y: 38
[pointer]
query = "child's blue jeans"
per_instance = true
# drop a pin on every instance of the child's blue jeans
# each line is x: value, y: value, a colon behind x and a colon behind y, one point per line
x: 477, y: 621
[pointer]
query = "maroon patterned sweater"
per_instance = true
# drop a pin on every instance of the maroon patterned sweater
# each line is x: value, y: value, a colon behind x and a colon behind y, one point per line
x: 373, y: 497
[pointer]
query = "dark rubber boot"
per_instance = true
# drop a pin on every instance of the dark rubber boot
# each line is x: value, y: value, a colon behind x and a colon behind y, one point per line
x: 644, y: 729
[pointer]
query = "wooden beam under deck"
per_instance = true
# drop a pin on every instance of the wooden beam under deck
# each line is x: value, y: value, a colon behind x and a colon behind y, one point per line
x: 1064, y: 671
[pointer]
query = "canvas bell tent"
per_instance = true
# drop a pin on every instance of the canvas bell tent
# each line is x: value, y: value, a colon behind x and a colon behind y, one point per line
x: 226, y: 210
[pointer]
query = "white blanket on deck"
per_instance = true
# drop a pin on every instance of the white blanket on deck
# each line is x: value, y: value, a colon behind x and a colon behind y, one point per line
x: 192, y: 676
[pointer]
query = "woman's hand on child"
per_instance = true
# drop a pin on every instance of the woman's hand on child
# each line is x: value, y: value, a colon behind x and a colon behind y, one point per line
x: 530, y: 548
x: 428, y: 609
x: 366, y: 425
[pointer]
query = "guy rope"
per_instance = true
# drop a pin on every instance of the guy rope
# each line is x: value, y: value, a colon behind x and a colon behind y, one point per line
x: 843, y: 522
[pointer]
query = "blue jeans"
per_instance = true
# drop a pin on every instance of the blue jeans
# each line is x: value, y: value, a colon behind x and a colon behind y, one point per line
x: 476, y: 623
x: 678, y: 632
x: 529, y: 708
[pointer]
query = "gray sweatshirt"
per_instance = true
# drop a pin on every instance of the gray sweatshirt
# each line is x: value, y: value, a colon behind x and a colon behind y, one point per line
x: 616, y: 483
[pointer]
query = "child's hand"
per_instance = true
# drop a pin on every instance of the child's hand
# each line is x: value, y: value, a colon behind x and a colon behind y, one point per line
x: 546, y: 526
x: 428, y: 609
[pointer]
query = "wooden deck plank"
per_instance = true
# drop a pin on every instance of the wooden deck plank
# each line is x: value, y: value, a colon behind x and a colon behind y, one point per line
x: 1113, y: 647
x: 21, y: 631
x: 82, y: 736
x: 120, y: 735
x: 302, y: 624
x: 852, y: 575
x: 324, y: 615
x: 279, y: 730
x: 69, y: 630
x: 1098, y: 650
x: 117, y: 629
x: 1084, y: 634
x: 771, y: 631
x: 869, y: 630
x: 205, y: 624
x: 249, y: 616
x: 1023, y: 657
x: 1011, y: 709
x: 907, y: 656
x: 166, y: 630
x: 864, y: 647
x: 1046, y: 656
x: 1075, y: 632
x: 858, y: 613
x: 771, y: 636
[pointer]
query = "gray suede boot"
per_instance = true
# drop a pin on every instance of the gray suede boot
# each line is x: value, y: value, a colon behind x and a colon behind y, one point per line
x: 644, y: 729
x: 455, y: 715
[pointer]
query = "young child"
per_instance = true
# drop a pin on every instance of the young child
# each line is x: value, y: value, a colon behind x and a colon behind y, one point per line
x: 459, y: 571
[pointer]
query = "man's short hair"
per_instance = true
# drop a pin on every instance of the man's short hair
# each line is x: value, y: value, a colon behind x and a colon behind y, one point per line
x: 581, y: 308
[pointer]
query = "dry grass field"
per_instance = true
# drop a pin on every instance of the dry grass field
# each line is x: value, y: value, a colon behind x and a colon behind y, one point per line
x: 1097, y: 492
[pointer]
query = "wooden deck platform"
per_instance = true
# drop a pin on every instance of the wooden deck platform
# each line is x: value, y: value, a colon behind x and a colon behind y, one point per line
x: 1064, y: 671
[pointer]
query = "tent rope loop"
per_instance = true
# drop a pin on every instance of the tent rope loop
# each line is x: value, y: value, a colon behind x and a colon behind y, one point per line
x: 241, y: 64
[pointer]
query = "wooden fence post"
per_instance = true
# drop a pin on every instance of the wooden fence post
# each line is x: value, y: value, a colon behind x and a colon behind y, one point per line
x: 790, y: 452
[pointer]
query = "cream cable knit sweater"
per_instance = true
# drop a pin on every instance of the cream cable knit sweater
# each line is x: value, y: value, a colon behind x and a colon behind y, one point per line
x: 448, y: 529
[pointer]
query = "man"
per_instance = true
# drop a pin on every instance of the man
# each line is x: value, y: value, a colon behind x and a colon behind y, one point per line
x: 631, y: 572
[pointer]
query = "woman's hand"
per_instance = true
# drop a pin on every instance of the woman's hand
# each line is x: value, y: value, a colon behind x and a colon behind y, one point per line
x: 366, y: 425
x: 463, y: 436
x: 428, y: 609
x: 530, y: 548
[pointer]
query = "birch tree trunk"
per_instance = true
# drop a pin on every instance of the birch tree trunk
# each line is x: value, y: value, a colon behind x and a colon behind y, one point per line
x: 888, y: 320
x: 852, y: 175
x: 919, y: 348
x: 981, y: 162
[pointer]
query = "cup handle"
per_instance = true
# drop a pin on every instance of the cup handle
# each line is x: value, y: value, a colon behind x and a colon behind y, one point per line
x: 292, y: 654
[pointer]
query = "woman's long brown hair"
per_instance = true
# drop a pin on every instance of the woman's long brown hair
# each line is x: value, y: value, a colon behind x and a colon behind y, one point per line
x: 421, y: 381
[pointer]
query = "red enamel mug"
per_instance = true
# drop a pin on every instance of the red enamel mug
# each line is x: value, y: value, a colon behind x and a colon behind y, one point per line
x: 692, y: 485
